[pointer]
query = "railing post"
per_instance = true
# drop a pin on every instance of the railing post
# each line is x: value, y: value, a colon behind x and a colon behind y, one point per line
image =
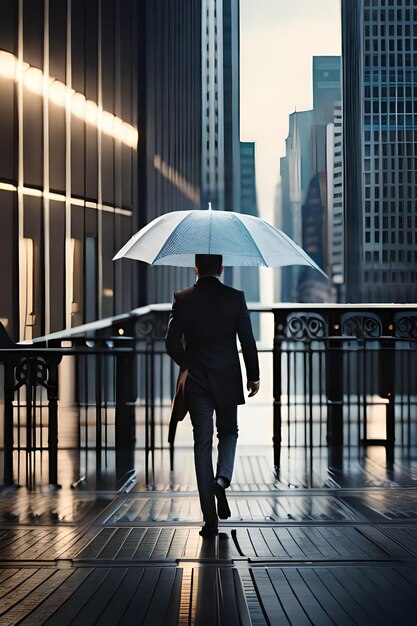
x: 52, y: 391
x: 9, y: 389
x: 99, y: 445
x: 334, y: 380
x: 126, y: 393
x: 387, y: 386
x: 279, y: 328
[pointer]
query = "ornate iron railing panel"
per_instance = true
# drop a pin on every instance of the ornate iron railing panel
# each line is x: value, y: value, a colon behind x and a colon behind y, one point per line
x: 343, y: 376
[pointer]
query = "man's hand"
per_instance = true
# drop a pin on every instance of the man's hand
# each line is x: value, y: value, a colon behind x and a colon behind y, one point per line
x: 253, y: 387
x: 181, y: 380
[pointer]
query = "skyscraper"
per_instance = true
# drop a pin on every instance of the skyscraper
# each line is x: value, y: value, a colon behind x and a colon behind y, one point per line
x: 248, y: 199
x: 191, y: 148
x: 379, y: 42
x: 318, y: 204
x: 296, y: 171
x: 312, y: 286
x: 171, y: 152
x: 326, y: 91
x: 306, y: 172
x: 335, y: 215
x: 220, y: 104
x: 326, y: 86
x: 247, y: 278
x: 69, y: 74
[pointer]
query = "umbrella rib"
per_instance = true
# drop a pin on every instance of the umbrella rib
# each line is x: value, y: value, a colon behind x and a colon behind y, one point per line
x: 298, y: 249
x: 172, y: 233
x: 254, y: 242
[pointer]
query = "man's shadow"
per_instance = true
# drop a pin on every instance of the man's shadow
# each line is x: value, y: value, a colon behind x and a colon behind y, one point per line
x: 222, y: 547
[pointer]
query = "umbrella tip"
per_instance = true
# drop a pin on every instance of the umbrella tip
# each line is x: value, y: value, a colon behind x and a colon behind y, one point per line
x: 209, y: 206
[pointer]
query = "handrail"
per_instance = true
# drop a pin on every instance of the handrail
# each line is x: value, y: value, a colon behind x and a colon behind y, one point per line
x: 256, y: 307
x: 332, y: 365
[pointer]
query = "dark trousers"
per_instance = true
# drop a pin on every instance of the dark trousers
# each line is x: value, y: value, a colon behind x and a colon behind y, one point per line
x: 201, y: 405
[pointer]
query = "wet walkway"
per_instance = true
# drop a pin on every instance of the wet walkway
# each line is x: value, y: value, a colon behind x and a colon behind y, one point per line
x: 342, y: 552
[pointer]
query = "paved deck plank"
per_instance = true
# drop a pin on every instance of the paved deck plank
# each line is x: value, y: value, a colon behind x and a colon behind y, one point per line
x: 49, y: 607
x: 343, y: 596
x: 285, y: 556
x: 141, y: 600
x: 337, y: 613
x: 307, y: 599
x: 7, y: 573
x: 115, y: 609
x: 26, y: 585
x: 340, y: 594
x: 69, y: 610
x: 25, y: 608
x: 104, y: 595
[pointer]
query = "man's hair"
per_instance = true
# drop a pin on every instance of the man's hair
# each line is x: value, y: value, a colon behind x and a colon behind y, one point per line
x: 208, y: 264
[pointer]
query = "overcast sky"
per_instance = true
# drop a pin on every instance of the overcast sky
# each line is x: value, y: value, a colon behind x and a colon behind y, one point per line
x: 278, y: 39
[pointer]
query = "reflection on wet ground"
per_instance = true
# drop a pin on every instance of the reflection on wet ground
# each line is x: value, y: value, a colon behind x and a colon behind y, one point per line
x: 301, y: 468
x: 310, y: 545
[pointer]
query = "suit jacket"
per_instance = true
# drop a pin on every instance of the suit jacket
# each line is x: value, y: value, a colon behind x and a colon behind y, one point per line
x: 201, y: 337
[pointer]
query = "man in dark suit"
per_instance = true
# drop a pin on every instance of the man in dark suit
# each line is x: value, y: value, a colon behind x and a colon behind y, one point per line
x: 201, y: 338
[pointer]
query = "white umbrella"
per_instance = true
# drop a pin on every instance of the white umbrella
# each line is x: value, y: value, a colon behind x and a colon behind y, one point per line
x: 243, y: 240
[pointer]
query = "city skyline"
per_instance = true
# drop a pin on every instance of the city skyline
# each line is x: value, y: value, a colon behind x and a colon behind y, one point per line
x: 269, y: 93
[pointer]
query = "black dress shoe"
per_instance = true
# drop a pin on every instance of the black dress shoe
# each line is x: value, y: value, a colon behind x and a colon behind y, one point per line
x: 209, y: 530
x: 223, y: 510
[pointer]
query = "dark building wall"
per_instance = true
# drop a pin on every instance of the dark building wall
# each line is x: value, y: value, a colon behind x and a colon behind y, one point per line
x: 249, y: 276
x: 312, y: 286
x: 288, y: 274
x: 248, y: 200
x: 352, y: 146
x: 9, y: 312
x: 68, y: 172
x: 231, y: 91
x: 380, y: 60
x: 173, y: 124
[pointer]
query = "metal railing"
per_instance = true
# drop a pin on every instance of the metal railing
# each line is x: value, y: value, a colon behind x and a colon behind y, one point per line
x: 339, y: 373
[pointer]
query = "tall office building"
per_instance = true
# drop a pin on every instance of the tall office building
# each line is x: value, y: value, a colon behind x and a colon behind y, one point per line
x: 313, y: 286
x: 220, y: 158
x: 247, y: 278
x: 326, y: 86
x: 307, y: 172
x: 335, y: 216
x: 326, y: 91
x: 170, y: 150
x: 68, y: 161
x: 220, y: 104
x: 317, y: 207
x: 379, y: 41
x: 296, y: 171
x: 191, y: 144
x: 248, y: 198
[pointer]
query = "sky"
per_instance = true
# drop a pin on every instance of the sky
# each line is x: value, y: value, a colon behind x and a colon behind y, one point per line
x: 278, y: 39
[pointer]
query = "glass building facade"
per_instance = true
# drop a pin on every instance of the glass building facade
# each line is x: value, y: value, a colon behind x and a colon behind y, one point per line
x: 112, y: 113
x: 191, y: 146
x: 220, y: 104
x: 69, y: 198
x: 380, y: 155
x: 170, y: 150
x: 247, y: 278
x: 335, y: 218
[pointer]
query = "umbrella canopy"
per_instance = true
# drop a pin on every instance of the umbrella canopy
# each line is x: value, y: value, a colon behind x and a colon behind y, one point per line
x: 243, y: 240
